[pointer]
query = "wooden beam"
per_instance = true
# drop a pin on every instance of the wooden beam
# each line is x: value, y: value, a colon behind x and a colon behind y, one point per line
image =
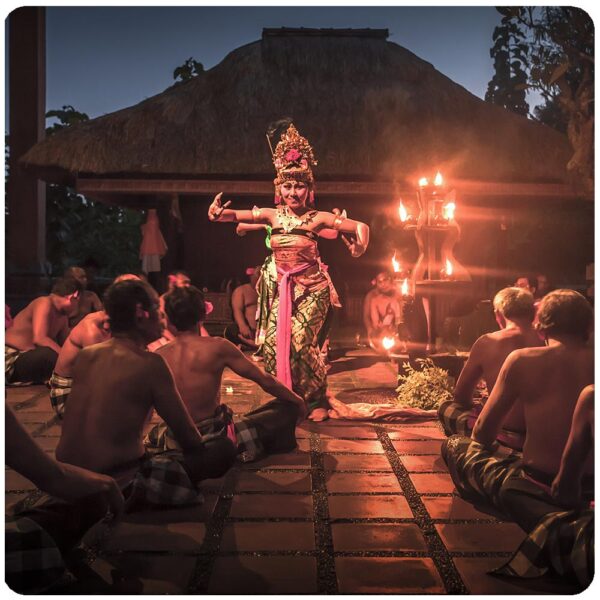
x: 337, y: 188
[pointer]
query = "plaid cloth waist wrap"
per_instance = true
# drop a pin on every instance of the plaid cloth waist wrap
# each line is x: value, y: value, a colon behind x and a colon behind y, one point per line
x: 247, y: 438
x: 60, y: 388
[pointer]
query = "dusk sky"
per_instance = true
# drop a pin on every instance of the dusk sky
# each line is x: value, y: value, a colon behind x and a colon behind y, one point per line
x: 101, y: 59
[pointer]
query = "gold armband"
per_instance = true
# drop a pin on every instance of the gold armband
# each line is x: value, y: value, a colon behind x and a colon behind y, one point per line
x: 255, y: 213
x: 339, y: 219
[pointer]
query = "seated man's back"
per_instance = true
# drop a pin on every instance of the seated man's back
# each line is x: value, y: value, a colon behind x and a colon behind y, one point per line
x: 110, y: 402
x: 197, y: 364
x: 550, y: 381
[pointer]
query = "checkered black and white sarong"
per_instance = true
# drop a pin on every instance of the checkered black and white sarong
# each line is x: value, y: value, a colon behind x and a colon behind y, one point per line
x: 479, y: 472
x: 457, y: 420
x: 221, y: 424
x: 561, y: 543
x: 10, y: 358
x: 60, y: 388
x: 269, y: 428
x: 33, y: 562
x: 162, y: 480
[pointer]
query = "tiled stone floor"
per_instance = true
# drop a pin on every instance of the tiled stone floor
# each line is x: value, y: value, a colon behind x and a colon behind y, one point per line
x: 357, y: 508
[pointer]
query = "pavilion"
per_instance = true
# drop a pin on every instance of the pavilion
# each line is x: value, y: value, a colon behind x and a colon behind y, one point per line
x: 379, y: 118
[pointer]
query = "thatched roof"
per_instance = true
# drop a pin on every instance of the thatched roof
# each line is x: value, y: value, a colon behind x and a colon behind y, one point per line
x: 371, y: 109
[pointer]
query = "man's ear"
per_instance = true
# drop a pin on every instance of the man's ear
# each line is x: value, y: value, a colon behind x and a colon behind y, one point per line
x: 500, y: 319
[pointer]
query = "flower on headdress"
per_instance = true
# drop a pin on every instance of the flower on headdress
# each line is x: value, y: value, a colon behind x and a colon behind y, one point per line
x: 292, y: 155
x: 278, y: 164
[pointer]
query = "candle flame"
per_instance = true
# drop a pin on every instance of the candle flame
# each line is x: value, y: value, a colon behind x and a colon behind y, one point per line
x: 402, y: 212
x: 449, y: 268
x: 423, y: 182
x: 388, y: 343
x: 449, y: 210
x: 439, y: 180
x: 395, y: 263
x: 404, y: 287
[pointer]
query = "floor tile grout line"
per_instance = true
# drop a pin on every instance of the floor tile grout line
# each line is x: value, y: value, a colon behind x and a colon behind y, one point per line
x: 438, y: 552
x: 201, y: 574
x: 326, y: 573
x: 30, y: 401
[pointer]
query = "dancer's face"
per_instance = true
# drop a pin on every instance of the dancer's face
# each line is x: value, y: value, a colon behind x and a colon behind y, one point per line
x: 294, y: 193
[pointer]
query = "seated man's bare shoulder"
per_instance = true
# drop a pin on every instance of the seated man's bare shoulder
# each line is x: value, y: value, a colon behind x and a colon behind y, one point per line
x: 480, y: 347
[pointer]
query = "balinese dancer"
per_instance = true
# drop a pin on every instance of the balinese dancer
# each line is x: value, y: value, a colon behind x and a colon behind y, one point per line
x: 305, y: 291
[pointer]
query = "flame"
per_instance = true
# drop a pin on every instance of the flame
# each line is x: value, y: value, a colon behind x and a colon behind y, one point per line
x: 449, y: 268
x: 449, y: 210
x: 388, y: 343
x: 439, y: 180
x: 423, y: 182
x: 395, y: 263
x: 404, y: 287
x: 402, y: 212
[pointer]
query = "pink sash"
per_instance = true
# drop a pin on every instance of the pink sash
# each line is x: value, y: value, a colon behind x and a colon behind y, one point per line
x: 284, y: 323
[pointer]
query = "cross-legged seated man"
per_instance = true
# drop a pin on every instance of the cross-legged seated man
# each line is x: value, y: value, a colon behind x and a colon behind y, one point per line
x: 244, y: 302
x: 116, y: 386
x: 547, y: 381
x: 198, y: 363
x: 514, y: 312
x: 33, y: 342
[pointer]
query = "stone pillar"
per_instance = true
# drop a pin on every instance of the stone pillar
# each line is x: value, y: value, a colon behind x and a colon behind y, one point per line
x: 26, y: 198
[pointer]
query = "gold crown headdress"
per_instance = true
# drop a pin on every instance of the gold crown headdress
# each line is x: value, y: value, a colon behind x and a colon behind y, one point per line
x: 293, y: 158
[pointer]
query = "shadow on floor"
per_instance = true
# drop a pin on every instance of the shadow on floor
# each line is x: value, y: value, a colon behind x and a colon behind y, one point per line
x: 342, y: 363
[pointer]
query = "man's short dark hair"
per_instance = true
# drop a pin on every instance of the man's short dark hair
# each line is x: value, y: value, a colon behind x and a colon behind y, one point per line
x: 185, y: 307
x: 531, y: 280
x: 565, y: 312
x: 65, y: 286
x: 121, y: 300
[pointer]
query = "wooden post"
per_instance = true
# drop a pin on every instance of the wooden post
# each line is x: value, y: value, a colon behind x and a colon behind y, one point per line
x: 26, y: 196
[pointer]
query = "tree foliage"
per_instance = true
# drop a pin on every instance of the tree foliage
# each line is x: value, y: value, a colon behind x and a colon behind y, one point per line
x: 507, y: 87
x: 78, y: 227
x: 190, y: 68
x: 556, y: 50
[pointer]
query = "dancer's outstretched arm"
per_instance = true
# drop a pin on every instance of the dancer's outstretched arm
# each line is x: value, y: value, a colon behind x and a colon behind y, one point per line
x: 359, y: 229
x: 219, y: 212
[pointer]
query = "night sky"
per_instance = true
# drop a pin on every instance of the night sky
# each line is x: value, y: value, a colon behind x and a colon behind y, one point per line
x: 101, y: 59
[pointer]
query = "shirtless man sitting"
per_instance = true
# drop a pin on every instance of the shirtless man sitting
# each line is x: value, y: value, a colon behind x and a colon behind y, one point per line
x: 244, y: 302
x: 547, y: 381
x: 33, y: 342
x: 116, y: 386
x: 92, y: 329
x: 514, y: 311
x: 197, y: 364
x: 382, y: 311
x: 87, y: 302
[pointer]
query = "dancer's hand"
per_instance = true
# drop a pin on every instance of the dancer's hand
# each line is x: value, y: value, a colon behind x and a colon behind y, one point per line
x: 355, y: 248
x: 215, y: 210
